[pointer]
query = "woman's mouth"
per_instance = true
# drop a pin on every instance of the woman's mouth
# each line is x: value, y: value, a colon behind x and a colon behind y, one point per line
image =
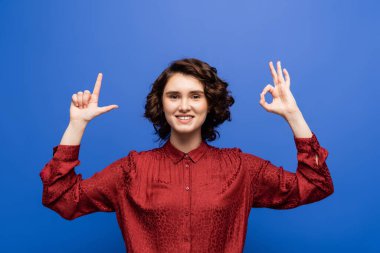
x: 184, y: 119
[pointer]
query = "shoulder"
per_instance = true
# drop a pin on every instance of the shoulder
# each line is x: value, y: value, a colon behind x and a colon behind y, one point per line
x: 135, y: 159
x: 228, y: 155
x: 229, y: 151
x: 143, y: 156
x: 247, y: 160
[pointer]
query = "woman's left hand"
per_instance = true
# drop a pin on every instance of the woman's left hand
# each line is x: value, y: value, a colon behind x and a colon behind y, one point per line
x: 283, y: 102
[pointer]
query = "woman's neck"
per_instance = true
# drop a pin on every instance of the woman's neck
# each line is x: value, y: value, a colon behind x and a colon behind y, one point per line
x: 185, y: 143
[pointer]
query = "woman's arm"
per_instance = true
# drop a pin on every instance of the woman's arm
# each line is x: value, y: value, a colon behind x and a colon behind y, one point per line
x: 299, y: 127
x: 284, y: 103
x: 65, y: 192
x: 273, y: 187
x: 74, y: 133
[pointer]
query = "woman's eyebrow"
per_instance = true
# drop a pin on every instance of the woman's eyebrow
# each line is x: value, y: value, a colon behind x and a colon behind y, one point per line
x: 177, y: 92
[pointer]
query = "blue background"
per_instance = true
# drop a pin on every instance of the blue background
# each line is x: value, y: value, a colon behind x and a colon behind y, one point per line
x: 52, y: 49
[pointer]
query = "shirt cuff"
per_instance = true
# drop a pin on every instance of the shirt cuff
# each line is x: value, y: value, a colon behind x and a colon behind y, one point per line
x: 66, y: 152
x: 307, y: 144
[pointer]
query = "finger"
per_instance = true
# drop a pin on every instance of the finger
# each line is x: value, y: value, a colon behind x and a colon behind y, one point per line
x: 86, y: 98
x: 98, y: 84
x: 267, y: 88
x: 273, y: 72
x: 263, y: 103
x: 74, y: 98
x: 287, y: 77
x: 279, y: 72
x: 108, y: 108
x: 262, y: 97
x: 80, y: 99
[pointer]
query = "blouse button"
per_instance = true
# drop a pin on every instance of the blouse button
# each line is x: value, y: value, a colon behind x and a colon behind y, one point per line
x: 187, y: 188
x: 186, y: 165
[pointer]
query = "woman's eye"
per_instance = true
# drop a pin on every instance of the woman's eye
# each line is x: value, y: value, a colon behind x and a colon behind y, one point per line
x: 176, y: 96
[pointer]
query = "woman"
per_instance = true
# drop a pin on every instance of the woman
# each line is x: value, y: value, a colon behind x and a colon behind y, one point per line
x: 186, y: 196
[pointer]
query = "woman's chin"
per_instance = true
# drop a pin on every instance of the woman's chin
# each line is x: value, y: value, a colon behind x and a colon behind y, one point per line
x: 184, y: 129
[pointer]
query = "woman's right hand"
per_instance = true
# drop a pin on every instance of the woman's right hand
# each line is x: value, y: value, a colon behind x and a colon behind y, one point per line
x: 84, y: 106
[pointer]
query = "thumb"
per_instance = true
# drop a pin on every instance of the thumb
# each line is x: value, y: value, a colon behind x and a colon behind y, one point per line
x: 108, y: 108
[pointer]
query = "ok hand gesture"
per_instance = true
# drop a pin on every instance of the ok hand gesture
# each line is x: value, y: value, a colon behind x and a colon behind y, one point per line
x: 283, y: 102
x: 84, y: 106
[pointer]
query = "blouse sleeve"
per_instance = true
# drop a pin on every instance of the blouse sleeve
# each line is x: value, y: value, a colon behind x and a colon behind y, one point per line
x: 276, y: 188
x: 65, y: 192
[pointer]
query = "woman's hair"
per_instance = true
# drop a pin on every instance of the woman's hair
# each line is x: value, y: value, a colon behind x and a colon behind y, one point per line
x: 218, y: 97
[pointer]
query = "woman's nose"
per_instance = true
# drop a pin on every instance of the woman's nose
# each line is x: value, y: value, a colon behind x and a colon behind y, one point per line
x: 184, y: 104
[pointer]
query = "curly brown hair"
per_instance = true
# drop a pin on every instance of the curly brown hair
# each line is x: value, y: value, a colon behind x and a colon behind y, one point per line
x: 219, y: 99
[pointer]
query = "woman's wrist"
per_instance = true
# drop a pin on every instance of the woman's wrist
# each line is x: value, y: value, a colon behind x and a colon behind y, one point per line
x: 298, y: 125
x: 74, y: 133
x: 293, y: 117
x: 78, y: 124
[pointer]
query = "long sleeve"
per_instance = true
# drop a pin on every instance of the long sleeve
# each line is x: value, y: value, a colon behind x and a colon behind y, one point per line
x: 274, y: 187
x: 69, y: 195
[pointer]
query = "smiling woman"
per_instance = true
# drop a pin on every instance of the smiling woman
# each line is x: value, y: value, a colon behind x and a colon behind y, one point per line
x: 184, y: 107
x: 189, y: 86
x: 187, y: 195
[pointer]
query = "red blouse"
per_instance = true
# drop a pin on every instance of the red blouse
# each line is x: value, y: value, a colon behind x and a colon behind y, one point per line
x: 169, y: 201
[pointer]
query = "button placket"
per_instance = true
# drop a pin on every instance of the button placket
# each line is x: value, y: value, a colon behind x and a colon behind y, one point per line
x: 187, y: 207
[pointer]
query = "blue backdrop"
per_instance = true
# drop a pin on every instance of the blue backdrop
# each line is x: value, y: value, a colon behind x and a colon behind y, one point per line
x: 52, y: 49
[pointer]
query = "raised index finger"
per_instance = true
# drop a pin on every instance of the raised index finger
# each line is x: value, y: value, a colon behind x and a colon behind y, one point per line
x: 98, y: 84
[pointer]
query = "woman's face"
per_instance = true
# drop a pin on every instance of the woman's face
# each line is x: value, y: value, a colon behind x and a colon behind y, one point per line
x: 184, y: 96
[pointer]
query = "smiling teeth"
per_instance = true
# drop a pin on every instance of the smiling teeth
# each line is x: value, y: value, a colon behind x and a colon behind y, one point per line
x: 184, y: 118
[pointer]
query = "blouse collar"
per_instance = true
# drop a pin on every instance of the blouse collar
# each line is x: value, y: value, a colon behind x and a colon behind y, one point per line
x: 177, y: 155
